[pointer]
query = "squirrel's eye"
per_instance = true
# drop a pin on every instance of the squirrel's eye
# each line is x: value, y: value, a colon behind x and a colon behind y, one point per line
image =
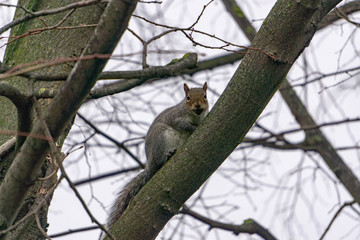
x: 205, y: 96
x: 188, y: 98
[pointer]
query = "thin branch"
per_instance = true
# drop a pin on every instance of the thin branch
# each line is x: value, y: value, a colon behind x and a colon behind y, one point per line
x: 71, y: 231
x: 314, y: 136
x: 346, y: 204
x: 40, y: 227
x: 343, y: 15
x: 249, y: 226
x: 275, y: 144
x: 313, y: 127
x: 7, y: 147
x: 33, y: 15
x: 55, y: 154
x: 333, y: 16
x: 40, y: 30
x: 227, y: 123
x: 42, y: 202
x: 323, y: 75
x: 157, y: 2
x: 347, y: 9
x: 106, y: 175
x: 184, y: 30
x: 200, y: 15
x: 22, y: 69
x: 23, y: 171
x: 117, y: 143
x: 187, y: 62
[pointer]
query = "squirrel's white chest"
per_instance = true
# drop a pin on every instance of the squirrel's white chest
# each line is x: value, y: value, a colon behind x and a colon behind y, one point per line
x: 174, y: 139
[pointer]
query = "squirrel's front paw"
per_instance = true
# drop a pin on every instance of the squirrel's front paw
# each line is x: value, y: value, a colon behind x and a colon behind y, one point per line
x: 170, y: 153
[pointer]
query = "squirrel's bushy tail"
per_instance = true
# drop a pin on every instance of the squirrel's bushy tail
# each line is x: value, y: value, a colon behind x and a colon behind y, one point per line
x: 128, y: 192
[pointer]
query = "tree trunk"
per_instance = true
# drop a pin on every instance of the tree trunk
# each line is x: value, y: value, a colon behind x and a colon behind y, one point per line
x: 45, y: 44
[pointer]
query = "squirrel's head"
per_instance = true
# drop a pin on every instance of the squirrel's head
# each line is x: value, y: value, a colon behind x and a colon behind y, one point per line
x: 196, y: 100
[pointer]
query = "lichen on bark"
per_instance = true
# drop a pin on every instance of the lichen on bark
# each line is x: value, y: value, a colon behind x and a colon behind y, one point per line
x: 44, y: 44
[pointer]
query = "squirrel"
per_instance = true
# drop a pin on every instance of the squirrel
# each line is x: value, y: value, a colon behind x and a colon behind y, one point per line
x: 167, y: 133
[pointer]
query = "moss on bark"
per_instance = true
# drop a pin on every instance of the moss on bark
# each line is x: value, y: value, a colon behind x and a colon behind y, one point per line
x: 45, y: 44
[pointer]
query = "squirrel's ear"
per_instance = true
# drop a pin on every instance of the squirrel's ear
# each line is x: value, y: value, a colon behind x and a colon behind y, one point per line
x: 205, y: 86
x: 186, y: 88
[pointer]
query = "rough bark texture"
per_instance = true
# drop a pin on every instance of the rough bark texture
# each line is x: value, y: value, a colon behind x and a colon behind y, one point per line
x: 48, y: 44
x: 315, y: 139
x: 285, y: 33
x: 24, y: 170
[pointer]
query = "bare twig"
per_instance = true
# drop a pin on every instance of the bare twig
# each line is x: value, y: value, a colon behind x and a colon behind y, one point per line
x: 157, y: 2
x: 28, y: 67
x: 343, y: 15
x: 280, y: 135
x: 7, y: 147
x: 347, y: 9
x: 106, y: 175
x: 35, y: 210
x: 71, y: 231
x: 55, y: 154
x: 134, y: 78
x: 314, y: 135
x: 191, y: 30
x: 40, y: 227
x: 117, y: 143
x: 200, y: 15
x: 60, y: 111
x: 346, y: 204
x: 249, y: 226
x: 32, y: 15
x: 323, y: 75
x: 40, y: 30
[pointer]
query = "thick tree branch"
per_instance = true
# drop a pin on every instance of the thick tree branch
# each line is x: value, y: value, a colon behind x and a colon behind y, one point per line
x: 250, y: 89
x: 24, y: 170
x: 318, y: 140
x: 347, y: 9
x: 130, y: 82
x: 315, y: 139
x: 23, y: 106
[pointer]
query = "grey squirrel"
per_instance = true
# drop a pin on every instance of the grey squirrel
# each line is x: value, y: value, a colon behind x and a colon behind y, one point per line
x: 166, y: 134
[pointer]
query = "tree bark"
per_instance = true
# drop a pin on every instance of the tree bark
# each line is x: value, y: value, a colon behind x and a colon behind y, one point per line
x: 285, y: 33
x: 315, y: 139
x: 46, y: 44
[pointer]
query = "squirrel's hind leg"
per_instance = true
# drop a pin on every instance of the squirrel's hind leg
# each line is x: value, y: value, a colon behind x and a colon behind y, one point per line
x: 170, y: 153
